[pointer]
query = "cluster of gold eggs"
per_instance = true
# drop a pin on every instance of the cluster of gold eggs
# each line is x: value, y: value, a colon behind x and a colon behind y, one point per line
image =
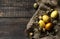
x: 45, y: 20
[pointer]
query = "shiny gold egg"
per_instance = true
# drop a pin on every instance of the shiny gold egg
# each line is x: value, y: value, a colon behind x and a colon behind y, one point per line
x: 35, y: 5
x: 41, y: 24
x: 48, y: 26
x: 46, y: 18
x: 54, y: 14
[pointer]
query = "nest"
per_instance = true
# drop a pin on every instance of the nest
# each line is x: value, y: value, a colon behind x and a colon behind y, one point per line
x: 45, y: 7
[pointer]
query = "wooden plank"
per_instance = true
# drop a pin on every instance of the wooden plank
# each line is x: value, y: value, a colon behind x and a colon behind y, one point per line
x: 6, y: 22
x: 11, y: 25
x: 16, y: 8
x: 13, y: 28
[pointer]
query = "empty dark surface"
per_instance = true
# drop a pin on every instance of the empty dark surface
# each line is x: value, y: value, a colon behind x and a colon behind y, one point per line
x: 14, y: 16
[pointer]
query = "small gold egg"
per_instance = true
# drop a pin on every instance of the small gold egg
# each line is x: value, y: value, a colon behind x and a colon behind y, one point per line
x: 31, y: 33
x: 35, y: 5
x: 40, y: 17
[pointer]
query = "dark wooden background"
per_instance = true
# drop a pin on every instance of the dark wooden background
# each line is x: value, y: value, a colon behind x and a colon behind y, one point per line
x: 14, y: 16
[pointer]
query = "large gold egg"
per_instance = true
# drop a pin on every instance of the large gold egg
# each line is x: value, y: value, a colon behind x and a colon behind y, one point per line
x: 54, y: 14
x: 48, y: 26
x: 46, y: 18
x: 41, y: 24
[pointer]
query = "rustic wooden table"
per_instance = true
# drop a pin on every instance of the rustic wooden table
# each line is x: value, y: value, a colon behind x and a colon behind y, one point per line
x: 14, y: 15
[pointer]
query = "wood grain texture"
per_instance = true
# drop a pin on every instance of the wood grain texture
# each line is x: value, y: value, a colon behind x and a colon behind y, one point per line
x: 14, y: 16
x: 13, y: 28
x: 16, y: 8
